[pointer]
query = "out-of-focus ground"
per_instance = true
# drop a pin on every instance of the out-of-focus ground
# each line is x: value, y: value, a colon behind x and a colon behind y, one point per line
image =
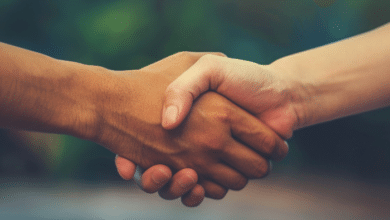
x: 279, y: 196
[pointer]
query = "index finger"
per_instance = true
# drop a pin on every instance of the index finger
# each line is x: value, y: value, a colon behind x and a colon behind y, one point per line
x: 189, y: 56
x: 254, y: 133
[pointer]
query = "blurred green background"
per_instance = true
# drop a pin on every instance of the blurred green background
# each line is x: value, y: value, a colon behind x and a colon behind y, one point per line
x: 131, y: 34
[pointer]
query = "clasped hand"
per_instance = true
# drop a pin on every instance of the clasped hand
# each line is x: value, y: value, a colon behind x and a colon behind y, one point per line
x: 221, y: 142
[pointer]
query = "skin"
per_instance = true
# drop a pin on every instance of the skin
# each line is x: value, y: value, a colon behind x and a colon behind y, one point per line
x: 341, y: 79
x: 181, y: 184
x: 333, y: 81
x: 121, y: 110
x: 259, y: 137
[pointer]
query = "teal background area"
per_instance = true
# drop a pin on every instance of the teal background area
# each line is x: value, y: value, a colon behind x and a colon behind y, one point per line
x: 131, y: 34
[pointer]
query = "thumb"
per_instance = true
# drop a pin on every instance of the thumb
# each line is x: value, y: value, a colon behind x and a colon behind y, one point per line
x: 181, y: 93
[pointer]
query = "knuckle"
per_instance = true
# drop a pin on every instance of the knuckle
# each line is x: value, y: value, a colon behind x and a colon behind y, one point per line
x: 224, y: 114
x: 219, y: 54
x: 215, y: 145
x: 214, y: 67
x: 183, y: 54
x: 190, y: 57
x: 208, y: 59
x: 208, y: 56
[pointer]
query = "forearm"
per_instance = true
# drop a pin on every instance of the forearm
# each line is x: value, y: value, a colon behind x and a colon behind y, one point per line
x: 40, y: 93
x: 341, y: 79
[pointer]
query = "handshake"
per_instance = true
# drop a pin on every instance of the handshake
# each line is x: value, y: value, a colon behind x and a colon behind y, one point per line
x: 211, y: 121
x: 210, y: 146
x: 224, y: 144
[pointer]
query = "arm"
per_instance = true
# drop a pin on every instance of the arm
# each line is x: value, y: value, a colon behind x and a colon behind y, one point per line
x: 121, y: 111
x: 343, y: 78
x: 30, y: 98
x: 39, y: 93
x: 325, y: 83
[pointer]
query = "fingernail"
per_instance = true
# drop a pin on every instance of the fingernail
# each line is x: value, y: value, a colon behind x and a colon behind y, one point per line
x: 158, y: 178
x: 282, y: 152
x: 171, y: 114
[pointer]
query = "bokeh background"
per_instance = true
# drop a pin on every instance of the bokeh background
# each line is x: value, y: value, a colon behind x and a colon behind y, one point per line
x: 335, y: 170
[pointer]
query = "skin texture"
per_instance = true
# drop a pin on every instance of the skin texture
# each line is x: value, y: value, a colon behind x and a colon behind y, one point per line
x: 260, y: 89
x: 121, y: 110
x: 181, y: 185
x: 39, y: 93
x: 203, y: 143
x: 341, y: 79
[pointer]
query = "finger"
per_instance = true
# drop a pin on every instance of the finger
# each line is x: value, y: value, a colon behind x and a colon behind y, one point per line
x: 213, y: 190
x: 251, y: 131
x: 227, y: 177
x: 182, y: 182
x: 191, y: 57
x: 205, y: 74
x: 201, y: 54
x: 125, y: 167
x: 154, y: 178
x: 194, y: 197
x: 245, y: 160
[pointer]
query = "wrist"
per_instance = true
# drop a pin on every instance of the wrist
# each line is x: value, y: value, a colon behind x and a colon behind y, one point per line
x: 129, y: 103
x: 45, y: 94
x: 298, y: 88
x: 83, y: 93
x: 321, y: 91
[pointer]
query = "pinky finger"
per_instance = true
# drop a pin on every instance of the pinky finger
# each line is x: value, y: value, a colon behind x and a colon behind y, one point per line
x: 194, y: 197
x: 213, y: 190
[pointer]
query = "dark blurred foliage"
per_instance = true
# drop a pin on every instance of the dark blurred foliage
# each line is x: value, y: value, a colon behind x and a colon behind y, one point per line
x: 131, y: 34
x: 16, y: 161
